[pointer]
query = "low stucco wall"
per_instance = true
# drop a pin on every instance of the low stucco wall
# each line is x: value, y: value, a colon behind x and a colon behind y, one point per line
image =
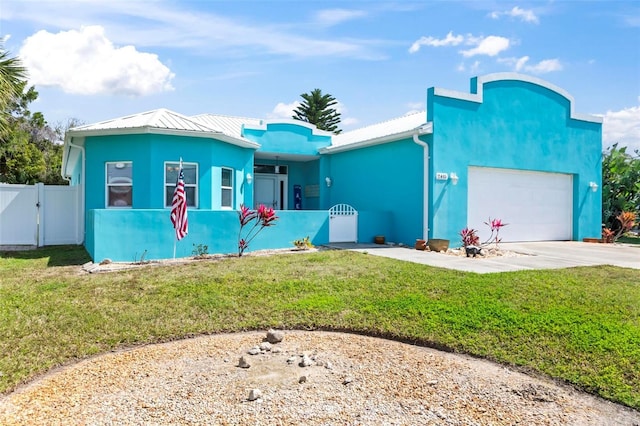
x: 127, y: 235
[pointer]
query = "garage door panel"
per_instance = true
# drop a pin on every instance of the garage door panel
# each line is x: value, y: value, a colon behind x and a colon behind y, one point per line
x: 536, y: 205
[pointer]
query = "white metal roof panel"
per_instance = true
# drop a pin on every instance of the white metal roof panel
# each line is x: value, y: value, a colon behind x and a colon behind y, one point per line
x: 379, y: 130
x: 160, y: 119
x: 230, y: 125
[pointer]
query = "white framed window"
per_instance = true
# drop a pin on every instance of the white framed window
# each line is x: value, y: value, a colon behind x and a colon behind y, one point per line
x: 119, y: 184
x: 226, y: 196
x: 190, y: 172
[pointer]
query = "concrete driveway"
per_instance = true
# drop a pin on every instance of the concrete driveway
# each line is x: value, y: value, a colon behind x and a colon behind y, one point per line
x: 537, y: 255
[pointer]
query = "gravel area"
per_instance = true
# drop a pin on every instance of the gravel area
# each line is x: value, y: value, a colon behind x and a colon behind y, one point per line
x: 351, y: 380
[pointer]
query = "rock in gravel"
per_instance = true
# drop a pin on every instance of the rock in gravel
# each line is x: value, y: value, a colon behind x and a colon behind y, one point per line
x: 432, y: 382
x: 328, y: 365
x: 276, y: 350
x: 306, y: 361
x: 254, y: 351
x: 347, y: 380
x: 265, y: 346
x: 242, y: 363
x: 302, y: 379
x: 275, y: 336
x: 536, y: 393
x: 254, y: 394
x: 292, y: 359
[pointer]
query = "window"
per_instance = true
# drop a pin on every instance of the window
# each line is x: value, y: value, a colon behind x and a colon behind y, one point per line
x: 119, y: 184
x: 265, y: 168
x: 190, y: 171
x: 227, y: 188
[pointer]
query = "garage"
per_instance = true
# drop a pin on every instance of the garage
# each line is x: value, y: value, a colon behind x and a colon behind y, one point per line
x: 536, y: 205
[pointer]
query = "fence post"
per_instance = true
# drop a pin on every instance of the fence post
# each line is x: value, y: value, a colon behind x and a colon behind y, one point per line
x: 40, y: 213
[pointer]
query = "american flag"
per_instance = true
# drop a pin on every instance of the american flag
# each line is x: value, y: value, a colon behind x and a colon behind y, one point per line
x: 179, y: 208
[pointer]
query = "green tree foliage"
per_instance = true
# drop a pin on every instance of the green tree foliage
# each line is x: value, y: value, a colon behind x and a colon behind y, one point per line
x: 12, y: 74
x: 620, y: 184
x: 317, y: 109
x: 30, y: 150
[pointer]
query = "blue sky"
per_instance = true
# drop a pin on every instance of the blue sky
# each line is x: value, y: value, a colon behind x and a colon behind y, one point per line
x: 95, y: 60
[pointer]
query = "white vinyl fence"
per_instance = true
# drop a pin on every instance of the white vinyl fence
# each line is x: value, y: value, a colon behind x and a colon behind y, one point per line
x: 40, y: 215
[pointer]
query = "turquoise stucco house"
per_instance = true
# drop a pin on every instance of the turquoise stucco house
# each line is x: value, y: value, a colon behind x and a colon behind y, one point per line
x: 512, y: 148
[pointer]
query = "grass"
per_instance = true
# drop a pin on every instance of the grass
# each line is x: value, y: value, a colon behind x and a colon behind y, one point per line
x: 579, y: 325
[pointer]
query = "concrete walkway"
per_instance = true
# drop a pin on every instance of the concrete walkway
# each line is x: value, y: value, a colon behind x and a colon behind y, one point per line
x: 536, y: 255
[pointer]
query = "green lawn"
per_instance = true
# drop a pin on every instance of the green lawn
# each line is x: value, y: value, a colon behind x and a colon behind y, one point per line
x: 580, y: 325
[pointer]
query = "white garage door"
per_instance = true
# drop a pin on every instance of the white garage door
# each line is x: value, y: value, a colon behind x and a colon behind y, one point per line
x: 537, y: 206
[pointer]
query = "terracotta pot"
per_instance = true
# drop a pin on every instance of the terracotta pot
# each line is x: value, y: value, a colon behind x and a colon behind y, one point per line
x: 378, y: 239
x: 591, y: 240
x: 436, y: 244
x: 421, y: 244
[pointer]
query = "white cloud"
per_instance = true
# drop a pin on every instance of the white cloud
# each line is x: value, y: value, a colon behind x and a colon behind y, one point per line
x: 86, y: 62
x: 490, y: 46
x: 282, y: 110
x: 415, y: 106
x: 345, y: 120
x: 516, y: 12
x: 622, y: 127
x: 349, y: 122
x: 331, y: 17
x: 474, y: 68
x: 542, y: 67
x: 171, y: 25
x: 449, y: 40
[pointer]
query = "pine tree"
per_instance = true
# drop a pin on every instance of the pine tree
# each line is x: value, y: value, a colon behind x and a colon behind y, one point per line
x: 317, y: 109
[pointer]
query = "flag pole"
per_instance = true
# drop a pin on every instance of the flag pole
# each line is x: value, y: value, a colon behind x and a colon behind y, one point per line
x: 179, y: 210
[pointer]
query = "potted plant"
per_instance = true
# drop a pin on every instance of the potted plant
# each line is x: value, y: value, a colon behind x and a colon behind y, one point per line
x: 438, y: 244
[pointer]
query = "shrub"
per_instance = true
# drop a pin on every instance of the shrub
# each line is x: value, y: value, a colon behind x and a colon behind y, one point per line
x: 303, y: 243
x: 469, y: 237
x: 261, y: 218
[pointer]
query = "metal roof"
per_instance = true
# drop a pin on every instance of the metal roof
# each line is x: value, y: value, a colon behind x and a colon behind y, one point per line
x: 159, y: 119
x: 380, y: 130
x: 228, y: 124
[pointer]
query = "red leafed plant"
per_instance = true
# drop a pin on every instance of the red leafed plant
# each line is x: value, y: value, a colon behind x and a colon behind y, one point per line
x: 261, y: 218
x: 608, y: 236
x: 469, y: 237
x: 495, y: 225
x: 627, y: 222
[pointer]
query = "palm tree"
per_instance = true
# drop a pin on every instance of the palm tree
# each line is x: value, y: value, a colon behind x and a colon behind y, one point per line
x: 317, y: 109
x: 12, y: 77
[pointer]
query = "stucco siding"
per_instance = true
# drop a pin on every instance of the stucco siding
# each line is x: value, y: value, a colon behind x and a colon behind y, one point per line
x: 518, y: 125
x: 382, y: 178
x: 128, y: 235
x: 148, y: 152
x: 287, y: 138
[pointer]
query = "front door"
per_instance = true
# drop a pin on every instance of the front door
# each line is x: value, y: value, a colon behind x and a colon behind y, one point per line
x: 270, y: 190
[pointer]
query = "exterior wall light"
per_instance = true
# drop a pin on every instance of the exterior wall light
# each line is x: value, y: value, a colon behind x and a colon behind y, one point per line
x: 328, y: 181
x: 249, y: 178
x: 593, y: 186
x: 454, y: 178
